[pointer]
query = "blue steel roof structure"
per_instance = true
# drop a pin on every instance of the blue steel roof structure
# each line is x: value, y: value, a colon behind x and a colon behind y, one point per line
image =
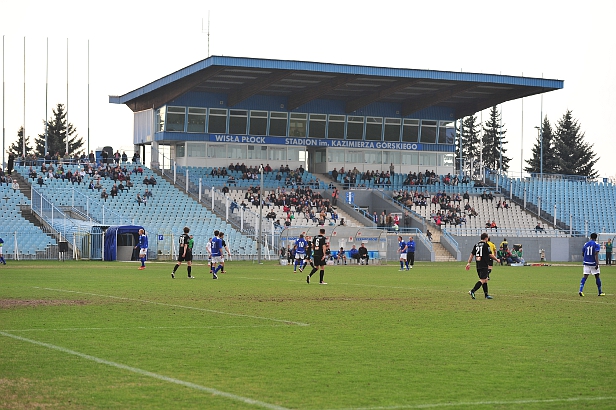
x: 301, y: 82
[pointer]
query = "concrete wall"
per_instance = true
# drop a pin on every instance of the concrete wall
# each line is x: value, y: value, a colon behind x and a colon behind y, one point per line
x: 556, y: 249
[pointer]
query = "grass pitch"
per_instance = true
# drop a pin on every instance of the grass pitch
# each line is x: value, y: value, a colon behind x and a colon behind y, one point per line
x: 90, y: 335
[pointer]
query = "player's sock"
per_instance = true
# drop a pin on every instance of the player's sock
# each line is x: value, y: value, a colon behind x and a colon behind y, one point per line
x: 598, y: 281
x: 407, y: 264
x: 477, y: 286
x: 321, y: 274
x: 2, y: 260
x: 218, y: 268
x: 142, y: 261
x: 313, y: 271
x: 485, y: 288
x: 582, y: 282
x: 189, y: 270
x: 401, y: 265
x: 175, y: 267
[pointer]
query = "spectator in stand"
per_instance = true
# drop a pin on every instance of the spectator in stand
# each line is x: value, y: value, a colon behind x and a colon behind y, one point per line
x: 466, y: 197
x: 104, y: 194
x: 121, y: 187
x: 152, y: 180
x: 114, y: 191
x: 147, y: 194
x: 335, y: 175
x: 40, y: 181
x: 493, y: 225
x: 140, y: 199
x: 124, y: 157
x: 539, y: 228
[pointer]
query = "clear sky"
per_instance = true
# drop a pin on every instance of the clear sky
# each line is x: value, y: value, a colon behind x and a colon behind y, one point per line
x: 132, y: 43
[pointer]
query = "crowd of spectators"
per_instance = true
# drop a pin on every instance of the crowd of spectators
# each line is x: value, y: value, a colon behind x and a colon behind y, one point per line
x: 356, y: 178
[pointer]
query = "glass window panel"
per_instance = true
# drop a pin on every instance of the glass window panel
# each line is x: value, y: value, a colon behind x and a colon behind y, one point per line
x: 176, y: 117
x: 428, y: 132
x: 336, y: 155
x: 179, y: 150
x: 354, y: 157
x: 278, y: 124
x: 277, y: 154
x: 335, y: 127
x: 258, y: 123
x: 195, y: 149
x: 217, y: 151
x: 446, y: 160
x: 316, y: 127
x: 238, y: 121
x: 391, y: 157
x: 217, y: 121
x: 374, y: 128
x: 410, y: 158
x: 257, y: 152
x: 297, y: 125
x: 293, y: 153
x: 355, y: 128
x: 237, y: 151
x: 410, y: 130
x: 427, y: 159
x: 446, y: 132
x: 392, y: 129
x: 160, y: 119
x: 196, y: 119
x: 373, y: 157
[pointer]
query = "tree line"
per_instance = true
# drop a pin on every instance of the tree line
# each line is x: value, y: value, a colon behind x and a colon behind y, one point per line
x: 565, y: 150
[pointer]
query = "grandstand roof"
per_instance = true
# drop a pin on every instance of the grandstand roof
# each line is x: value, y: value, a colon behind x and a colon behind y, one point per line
x: 358, y: 86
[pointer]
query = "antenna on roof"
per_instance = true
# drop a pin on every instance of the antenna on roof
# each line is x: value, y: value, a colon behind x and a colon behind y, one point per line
x: 208, y: 32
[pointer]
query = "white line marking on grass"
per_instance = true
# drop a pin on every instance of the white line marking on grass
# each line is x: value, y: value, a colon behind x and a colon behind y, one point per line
x: 480, y: 403
x: 149, y: 374
x: 72, y: 329
x: 178, y: 306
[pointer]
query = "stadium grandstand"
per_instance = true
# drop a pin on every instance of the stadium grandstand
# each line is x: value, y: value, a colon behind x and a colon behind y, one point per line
x: 264, y: 149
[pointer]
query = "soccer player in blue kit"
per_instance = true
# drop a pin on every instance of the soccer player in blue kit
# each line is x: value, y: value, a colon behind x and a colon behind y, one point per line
x: 402, y: 252
x: 591, y: 263
x: 300, y: 252
x: 216, y: 255
x: 143, y: 248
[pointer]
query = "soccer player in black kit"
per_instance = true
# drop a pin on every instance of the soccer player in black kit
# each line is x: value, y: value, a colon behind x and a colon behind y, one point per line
x: 482, y: 253
x: 184, y: 253
x: 318, y: 251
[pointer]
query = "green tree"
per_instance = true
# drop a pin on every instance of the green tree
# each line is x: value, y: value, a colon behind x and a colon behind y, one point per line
x: 471, y: 144
x: 17, y: 147
x: 550, y: 161
x: 56, y: 135
x: 574, y: 155
x: 494, y: 142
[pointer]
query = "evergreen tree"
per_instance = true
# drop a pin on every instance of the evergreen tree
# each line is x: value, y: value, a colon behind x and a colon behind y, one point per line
x: 494, y: 142
x: 574, y: 155
x: 471, y: 144
x: 17, y: 147
x: 550, y: 162
x: 56, y: 135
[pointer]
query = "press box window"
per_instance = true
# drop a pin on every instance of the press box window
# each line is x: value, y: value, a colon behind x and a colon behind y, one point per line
x: 160, y: 119
x: 392, y: 129
x: 428, y: 132
x: 258, y: 123
x: 175, y: 118
x: 410, y: 130
x: 278, y: 124
x: 297, y: 125
x: 317, y: 125
x: 217, y: 121
x: 257, y: 152
x: 355, y: 128
x: 196, y: 119
x: 335, y: 127
x: 446, y: 132
x: 238, y: 121
x: 374, y: 128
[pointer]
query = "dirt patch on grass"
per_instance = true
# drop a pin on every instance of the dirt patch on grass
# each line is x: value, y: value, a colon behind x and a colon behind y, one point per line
x: 14, y: 303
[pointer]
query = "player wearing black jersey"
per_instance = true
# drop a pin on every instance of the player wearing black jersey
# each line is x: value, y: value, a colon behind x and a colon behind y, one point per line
x: 482, y: 254
x: 308, y: 258
x: 318, y: 251
x: 184, y: 253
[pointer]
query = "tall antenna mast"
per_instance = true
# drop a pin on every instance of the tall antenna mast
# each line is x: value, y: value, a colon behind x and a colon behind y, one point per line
x: 208, y: 32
